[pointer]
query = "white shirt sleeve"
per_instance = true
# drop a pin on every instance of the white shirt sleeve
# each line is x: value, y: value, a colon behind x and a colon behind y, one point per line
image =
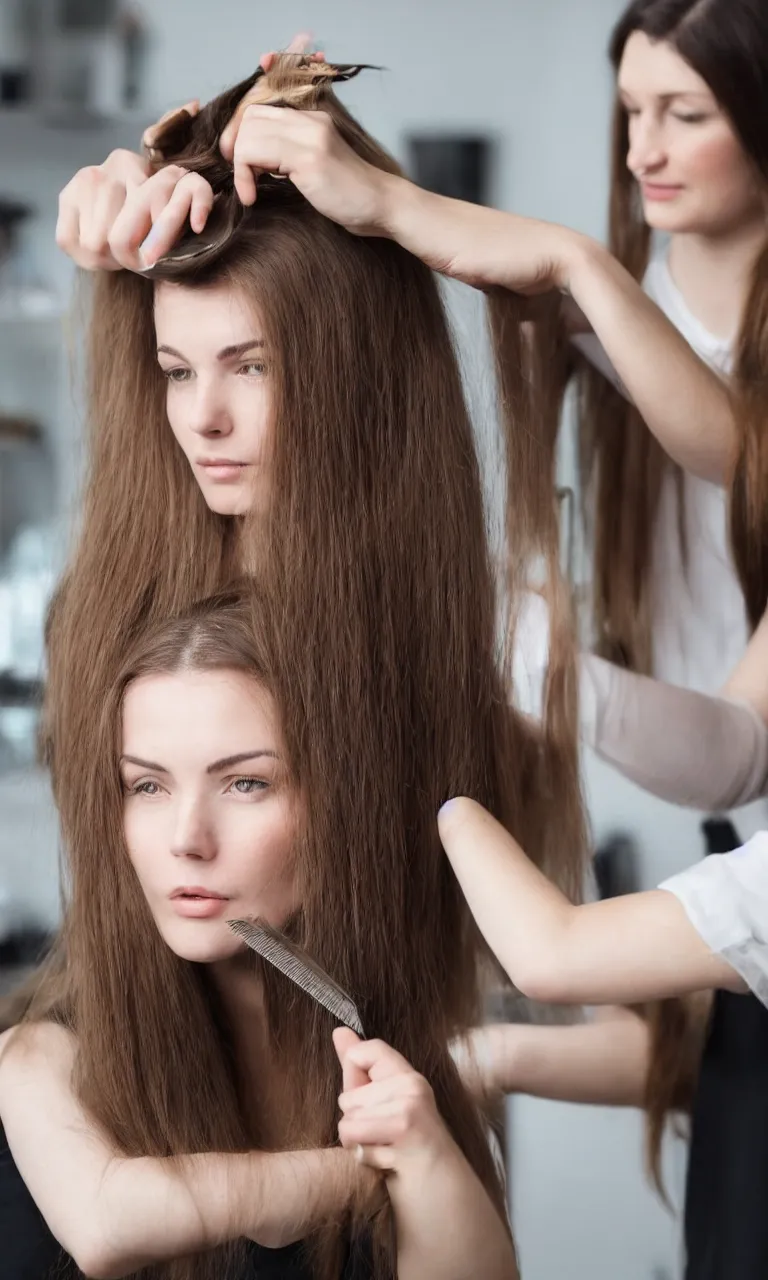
x: 689, y: 748
x: 726, y: 900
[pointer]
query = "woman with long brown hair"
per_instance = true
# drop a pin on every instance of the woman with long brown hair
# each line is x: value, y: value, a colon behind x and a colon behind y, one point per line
x: 168, y: 1097
x: 283, y: 396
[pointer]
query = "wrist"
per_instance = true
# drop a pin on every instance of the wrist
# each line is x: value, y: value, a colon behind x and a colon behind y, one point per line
x: 499, y: 1061
x: 579, y: 258
x: 403, y: 205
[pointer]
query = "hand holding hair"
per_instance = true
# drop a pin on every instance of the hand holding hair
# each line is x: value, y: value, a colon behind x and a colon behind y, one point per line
x: 622, y: 951
x: 447, y: 1227
x: 307, y: 148
x: 119, y: 215
x: 389, y: 1114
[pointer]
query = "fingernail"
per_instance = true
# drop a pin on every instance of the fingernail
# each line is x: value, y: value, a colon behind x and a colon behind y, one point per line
x: 447, y: 808
x: 359, y: 1154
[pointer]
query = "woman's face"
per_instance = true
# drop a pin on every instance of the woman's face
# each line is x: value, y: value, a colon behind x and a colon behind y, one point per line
x: 211, y: 351
x: 209, y: 814
x: 693, y: 172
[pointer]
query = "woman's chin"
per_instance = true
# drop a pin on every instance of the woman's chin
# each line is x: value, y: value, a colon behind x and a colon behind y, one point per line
x: 198, y: 943
x: 228, y: 502
x: 236, y: 497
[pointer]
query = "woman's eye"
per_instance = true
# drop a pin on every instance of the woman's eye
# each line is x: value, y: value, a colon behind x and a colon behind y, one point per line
x: 249, y: 786
x: 253, y: 369
x: 146, y: 788
x: 177, y: 375
x: 691, y: 119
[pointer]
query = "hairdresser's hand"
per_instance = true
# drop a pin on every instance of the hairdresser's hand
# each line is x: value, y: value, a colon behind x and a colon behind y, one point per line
x: 306, y: 147
x: 89, y: 205
x: 151, y: 133
x: 115, y: 215
x: 301, y: 43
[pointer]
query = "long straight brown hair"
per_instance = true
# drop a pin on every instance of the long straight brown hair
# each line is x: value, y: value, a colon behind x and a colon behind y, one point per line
x: 373, y: 556
x: 726, y: 43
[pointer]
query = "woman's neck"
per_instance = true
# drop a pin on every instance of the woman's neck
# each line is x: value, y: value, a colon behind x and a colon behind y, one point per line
x: 241, y: 992
x: 713, y: 274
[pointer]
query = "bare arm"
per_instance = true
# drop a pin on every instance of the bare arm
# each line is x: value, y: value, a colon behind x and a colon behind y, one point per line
x: 602, y: 1062
x: 117, y: 1215
x: 684, y: 403
x: 623, y: 951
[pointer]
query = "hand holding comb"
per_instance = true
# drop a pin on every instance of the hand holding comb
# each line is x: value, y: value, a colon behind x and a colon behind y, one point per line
x: 293, y: 961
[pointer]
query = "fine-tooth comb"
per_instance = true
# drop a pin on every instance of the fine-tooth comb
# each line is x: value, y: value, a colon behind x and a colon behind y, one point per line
x: 291, y: 960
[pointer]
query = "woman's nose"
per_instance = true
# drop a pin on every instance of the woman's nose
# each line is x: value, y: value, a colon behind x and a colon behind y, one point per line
x: 193, y: 836
x: 646, y: 150
x: 210, y: 415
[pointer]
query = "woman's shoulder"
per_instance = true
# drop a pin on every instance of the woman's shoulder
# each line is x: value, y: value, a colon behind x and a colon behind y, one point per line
x: 34, y: 1048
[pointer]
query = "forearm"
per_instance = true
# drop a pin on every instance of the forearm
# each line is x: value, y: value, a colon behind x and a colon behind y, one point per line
x: 621, y: 951
x: 603, y: 1062
x: 684, y: 403
x: 686, y: 747
x: 150, y: 1210
x: 447, y: 1227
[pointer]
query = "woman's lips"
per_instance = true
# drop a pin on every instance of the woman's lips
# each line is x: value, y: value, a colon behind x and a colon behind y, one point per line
x: 223, y: 472
x: 198, y: 903
x: 660, y: 192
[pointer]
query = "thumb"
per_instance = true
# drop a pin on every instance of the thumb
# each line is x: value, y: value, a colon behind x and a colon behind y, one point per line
x: 469, y: 833
x: 353, y: 1077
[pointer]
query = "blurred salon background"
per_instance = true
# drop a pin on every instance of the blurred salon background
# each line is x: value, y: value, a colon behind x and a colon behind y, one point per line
x: 505, y: 103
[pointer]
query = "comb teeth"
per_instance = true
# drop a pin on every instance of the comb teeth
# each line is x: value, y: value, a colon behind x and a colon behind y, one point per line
x: 299, y: 968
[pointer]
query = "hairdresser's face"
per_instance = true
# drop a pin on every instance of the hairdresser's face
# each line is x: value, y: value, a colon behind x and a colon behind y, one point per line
x: 208, y: 812
x: 210, y: 349
x: 693, y: 173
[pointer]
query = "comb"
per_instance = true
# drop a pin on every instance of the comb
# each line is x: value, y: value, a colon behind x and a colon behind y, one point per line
x: 293, y: 961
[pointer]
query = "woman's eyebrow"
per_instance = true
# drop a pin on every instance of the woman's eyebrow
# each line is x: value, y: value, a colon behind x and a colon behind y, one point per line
x: 143, y: 764
x: 229, y: 761
x: 226, y: 353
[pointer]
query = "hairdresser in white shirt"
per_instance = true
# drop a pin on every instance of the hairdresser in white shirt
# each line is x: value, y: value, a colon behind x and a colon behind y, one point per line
x: 696, y: 735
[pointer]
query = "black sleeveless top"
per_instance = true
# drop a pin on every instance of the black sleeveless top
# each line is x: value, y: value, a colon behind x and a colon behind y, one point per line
x: 28, y: 1251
